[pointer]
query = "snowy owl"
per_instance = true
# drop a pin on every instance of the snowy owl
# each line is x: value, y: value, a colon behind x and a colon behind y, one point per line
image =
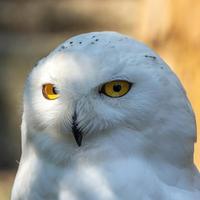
x: 106, y: 119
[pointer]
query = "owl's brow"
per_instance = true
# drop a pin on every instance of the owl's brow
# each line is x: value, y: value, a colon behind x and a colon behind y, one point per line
x: 53, y: 79
x: 113, y: 78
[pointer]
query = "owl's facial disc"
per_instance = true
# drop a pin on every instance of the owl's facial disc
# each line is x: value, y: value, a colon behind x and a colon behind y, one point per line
x: 112, y: 89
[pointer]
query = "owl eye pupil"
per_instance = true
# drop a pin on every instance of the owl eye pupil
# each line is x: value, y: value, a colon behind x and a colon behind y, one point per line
x: 117, y: 88
x: 54, y: 90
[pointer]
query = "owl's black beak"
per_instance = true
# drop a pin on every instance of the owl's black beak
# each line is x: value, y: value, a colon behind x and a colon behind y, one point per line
x: 78, y: 135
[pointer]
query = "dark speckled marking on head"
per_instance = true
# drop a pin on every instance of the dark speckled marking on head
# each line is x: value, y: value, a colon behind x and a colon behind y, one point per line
x: 149, y: 56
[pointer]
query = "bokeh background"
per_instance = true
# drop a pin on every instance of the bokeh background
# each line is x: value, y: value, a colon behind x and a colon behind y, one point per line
x: 30, y: 29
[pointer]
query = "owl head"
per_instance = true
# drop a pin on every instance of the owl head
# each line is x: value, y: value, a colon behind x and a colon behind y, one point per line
x: 107, y: 86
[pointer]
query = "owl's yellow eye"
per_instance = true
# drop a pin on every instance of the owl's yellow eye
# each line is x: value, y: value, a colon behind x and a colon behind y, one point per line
x: 49, y: 91
x: 116, y: 88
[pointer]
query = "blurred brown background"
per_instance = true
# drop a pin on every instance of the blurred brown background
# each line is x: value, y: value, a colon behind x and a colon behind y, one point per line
x: 30, y: 29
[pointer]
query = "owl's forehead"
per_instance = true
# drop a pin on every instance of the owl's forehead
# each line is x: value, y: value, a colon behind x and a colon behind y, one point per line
x: 95, y: 57
x: 103, y: 44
